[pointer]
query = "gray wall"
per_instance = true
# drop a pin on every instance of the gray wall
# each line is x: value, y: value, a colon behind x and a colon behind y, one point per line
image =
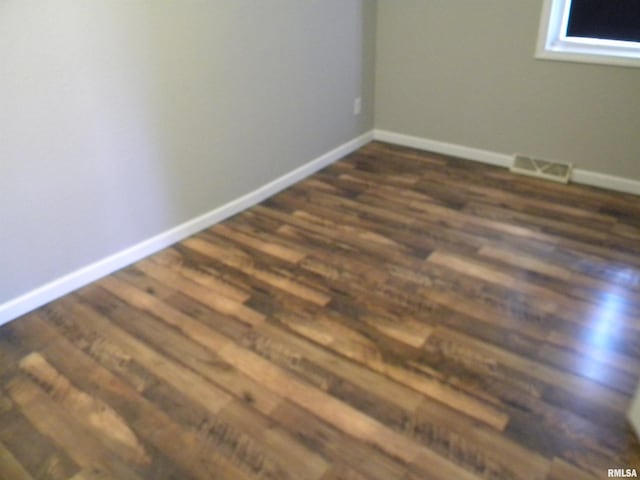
x: 464, y: 72
x: 120, y: 120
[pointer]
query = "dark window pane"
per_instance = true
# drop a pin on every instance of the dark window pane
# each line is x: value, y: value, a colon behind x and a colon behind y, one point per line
x: 607, y: 19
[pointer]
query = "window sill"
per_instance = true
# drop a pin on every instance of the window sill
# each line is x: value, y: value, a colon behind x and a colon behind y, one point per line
x: 596, y: 56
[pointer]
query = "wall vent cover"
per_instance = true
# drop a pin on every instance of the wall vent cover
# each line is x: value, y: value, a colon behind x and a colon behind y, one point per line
x: 534, y: 167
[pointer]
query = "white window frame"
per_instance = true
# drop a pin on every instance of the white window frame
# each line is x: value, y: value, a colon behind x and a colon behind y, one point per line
x: 553, y: 44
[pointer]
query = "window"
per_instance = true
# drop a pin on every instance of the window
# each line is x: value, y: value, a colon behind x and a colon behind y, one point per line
x: 594, y: 31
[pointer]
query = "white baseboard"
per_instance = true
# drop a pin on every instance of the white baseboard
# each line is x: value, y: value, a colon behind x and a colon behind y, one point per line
x: 31, y: 300
x: 602, y: 180
x: 484, y: 156
x: 584, y: 177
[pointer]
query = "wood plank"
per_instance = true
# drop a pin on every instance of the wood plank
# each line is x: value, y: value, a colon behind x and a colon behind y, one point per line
x: 188, y: 451
x: 225, y: 378
x: 399, y: 314
x: 165, y: 368
x: 59, y: 424
x: 340, y: 415
x: 561, y: 470
x: 92, y: 474
x: 264, y: 243
x: 204, y: 295
x: 398, y: 406
x: 199, y: 274
x: 524, y: 261
x: 89, y: 410
x: 358, y: 348
x: 239, y: 261
x: 10, y: 468
x: 560, y: 379
x: 339, y: 447
x: 40, y: 457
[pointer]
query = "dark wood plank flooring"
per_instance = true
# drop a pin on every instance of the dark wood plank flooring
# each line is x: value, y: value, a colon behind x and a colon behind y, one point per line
x: 399, y: 315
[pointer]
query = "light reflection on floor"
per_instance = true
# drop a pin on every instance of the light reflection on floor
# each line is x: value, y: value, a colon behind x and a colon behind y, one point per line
x: 602, y: 335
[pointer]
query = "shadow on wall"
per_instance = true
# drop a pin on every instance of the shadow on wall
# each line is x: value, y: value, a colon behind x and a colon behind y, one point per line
x: 80, y: 149
x: 121, y: 120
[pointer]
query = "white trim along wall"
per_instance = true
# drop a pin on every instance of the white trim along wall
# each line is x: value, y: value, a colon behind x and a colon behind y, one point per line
x: 584, y: 177
x: 83, y: 276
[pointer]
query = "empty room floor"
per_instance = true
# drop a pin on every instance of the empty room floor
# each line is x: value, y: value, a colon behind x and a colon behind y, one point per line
x: 398, y: 315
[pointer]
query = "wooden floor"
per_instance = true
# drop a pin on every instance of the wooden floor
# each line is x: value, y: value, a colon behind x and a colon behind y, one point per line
x: 399, y: 315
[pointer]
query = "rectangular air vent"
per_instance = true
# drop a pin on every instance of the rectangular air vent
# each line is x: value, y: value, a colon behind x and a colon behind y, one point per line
x: 534, y: 167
